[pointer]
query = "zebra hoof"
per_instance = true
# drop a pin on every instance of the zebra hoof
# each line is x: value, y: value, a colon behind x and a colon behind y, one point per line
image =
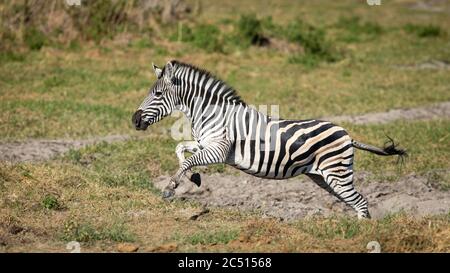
x: 364, y: 215
x: 196, y: 179
x: 167, y: 193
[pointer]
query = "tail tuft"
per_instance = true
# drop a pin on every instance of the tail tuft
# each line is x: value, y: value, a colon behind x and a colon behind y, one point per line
x: 390, y: 148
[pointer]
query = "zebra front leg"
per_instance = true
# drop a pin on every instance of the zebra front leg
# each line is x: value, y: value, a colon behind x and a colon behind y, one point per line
x: 212, y: 154
x: 191, y: 147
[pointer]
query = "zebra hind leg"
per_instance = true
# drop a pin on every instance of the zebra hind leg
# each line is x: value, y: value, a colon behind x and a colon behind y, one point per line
x: 342, y: 187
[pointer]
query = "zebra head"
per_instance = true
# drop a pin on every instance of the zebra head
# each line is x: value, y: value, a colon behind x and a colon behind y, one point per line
x: 160, y: 101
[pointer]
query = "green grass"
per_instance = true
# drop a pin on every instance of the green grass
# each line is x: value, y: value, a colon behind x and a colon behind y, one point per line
x: 51, y: 202
x: 103, y: 194
x: 97, y: 96
x: 86, y: 233
x: 202, y: 36
x: 424, y: 31
x: 357, y: 31
x: 92, y: 91
x: 332, y: 228
x: 133, y: 153
x: 314, y: 41
x: 34, y: 39
x: 31, y: 118
x: 425, y: 142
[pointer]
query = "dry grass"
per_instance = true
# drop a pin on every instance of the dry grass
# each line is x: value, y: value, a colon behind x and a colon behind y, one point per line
x: 100, y: 216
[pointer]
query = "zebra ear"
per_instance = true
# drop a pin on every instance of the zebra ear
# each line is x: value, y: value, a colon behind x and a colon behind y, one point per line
x: 169, y: 71
x: 158, y: 71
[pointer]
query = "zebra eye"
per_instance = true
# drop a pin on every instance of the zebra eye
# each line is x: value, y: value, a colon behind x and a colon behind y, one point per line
x: 158, y: 93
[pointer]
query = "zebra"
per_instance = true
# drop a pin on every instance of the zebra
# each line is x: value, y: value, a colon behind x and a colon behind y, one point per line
x: 227, y: 130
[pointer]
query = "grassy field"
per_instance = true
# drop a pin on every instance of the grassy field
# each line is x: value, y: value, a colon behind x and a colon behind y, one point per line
x: 97, y: 200
x: 103, y: 194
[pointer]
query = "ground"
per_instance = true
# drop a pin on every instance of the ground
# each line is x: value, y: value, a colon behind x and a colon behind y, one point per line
x: 72, y: 168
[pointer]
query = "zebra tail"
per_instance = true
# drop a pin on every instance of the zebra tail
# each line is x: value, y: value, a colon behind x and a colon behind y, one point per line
x: 390, y: 148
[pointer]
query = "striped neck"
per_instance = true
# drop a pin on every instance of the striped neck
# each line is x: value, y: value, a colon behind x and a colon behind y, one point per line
x: 199, y: 92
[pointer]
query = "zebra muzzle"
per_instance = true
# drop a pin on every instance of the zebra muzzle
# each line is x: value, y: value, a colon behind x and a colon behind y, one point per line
x: 137, y: 121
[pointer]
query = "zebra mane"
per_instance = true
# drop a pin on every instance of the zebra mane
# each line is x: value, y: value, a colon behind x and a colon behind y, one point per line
x: 231, y: 93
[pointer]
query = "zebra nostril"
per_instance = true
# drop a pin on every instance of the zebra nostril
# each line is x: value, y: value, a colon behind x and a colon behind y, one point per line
x: 136, y: 119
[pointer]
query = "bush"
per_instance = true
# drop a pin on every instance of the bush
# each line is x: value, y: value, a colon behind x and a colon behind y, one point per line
x: 357, y: 31
x: 313, y: 41
x: 203, y: 36
x: 249, y: 31
x: 10, y: 56
x: 92, y: 20
x: 98, y: 19
x: 34, y: 39
x: 50, y: 202
x: 424, y: 31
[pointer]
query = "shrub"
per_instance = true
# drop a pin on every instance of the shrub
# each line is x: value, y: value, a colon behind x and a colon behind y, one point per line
x: 312, y: 39
x: 73, y: 231
x: 356, y: 30
x: 34, y: 38
x: 10, y: 56
x: 203, y: 36
x: 50, y: 202
x: 424, y: 31
x: 98, y: 19
x: 250, y: 31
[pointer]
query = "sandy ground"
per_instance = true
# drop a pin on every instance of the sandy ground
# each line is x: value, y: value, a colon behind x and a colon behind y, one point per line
x: 287, y: 199
x: 37, y: 150
x: 441, y: 110
x: 300, y: 197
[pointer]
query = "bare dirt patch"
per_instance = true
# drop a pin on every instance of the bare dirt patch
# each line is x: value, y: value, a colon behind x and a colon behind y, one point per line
x: 298, y: 198
x: 35, y: 150
x: 428, y: 5
x: 440, y: 110
x: 431, y: 64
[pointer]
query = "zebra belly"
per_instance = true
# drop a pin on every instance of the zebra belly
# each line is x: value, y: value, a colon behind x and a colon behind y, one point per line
x: 273, y: 170
x: 290, y: 148
x: 270, y: 174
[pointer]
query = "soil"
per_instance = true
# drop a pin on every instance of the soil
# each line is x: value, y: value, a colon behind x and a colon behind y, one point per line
x: 300, y: 197
x: 431, y: 64
x: 440, y: 110
x: 38, y: 150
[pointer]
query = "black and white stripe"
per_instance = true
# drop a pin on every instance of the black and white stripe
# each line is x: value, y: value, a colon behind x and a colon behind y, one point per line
x: 227, y: 130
